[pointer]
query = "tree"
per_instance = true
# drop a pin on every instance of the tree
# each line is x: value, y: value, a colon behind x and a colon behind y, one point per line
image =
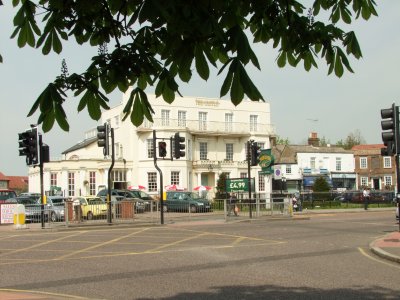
x: 282, y: 141
x: 221, y: 186
x: 321, y: 185
x: 159, y: 43
x: 353, y: 138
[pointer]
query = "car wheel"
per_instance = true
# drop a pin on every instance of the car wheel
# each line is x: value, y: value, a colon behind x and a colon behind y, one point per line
x: 193, y: 209
x: 89, y: 215
x: 53, y: 217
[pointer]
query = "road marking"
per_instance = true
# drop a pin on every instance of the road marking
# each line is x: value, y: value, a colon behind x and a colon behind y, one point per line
x: 41, y: 244
x: 100, y: 244
x: 173, y: 243
x: 375, y: 259
x: 22, y: 292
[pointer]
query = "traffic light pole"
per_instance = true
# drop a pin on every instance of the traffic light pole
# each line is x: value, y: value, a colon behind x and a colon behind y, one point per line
x: 249, y: 143
x: 41, y: 180
x: 161, y: 178
x: 109, y: 208
x: 398, y: 184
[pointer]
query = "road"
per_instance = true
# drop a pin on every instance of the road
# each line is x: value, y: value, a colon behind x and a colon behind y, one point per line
x: 325, y: 256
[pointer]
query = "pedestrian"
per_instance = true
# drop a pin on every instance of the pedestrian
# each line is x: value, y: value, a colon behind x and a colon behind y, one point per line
x: 366, y: 195
x: 232, y: 204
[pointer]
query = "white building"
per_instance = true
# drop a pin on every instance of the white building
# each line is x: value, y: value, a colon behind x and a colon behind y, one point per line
x: 300, y: 165
x: 216, y: 134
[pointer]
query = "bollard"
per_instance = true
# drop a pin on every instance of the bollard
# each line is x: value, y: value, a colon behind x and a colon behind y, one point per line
x: 19, y: 216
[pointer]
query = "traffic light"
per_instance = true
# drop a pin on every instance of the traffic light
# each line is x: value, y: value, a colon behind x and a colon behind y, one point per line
x: 179, y: 145
x: 255, y: 154
x: 162, y: 149
x: 102, y: 136
x: 29, y: 146
x: 390, y: 133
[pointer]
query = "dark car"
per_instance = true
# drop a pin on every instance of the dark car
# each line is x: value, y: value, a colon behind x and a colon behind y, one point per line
x: 6, y: 194
x: 148, y: 200
x: 185, y: 201
x: 119, y: 195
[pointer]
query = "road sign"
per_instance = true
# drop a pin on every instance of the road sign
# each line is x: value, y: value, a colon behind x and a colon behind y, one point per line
x: 238, y: 184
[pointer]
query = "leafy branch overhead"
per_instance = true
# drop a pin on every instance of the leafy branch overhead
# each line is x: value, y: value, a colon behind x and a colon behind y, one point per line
x: 157, y: 43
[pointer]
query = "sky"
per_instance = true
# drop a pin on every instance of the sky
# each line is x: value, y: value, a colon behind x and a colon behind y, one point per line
x: 301, y: 102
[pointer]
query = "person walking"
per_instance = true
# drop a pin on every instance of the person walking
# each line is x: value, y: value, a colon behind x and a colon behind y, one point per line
x: 232, y: 205
x: 366, y: 195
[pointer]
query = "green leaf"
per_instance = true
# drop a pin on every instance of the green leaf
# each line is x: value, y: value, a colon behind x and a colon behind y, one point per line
x: 48, y: 121
x: 227, y: 84
x: 93, y: 106
x: 338, y: 66
x: 201, y: 63
x: 281, y: 59
x: 47, y: 45
x: 57, y: 46
x: 237, y: 93
x: 137, y: 116
x: 61, y: 118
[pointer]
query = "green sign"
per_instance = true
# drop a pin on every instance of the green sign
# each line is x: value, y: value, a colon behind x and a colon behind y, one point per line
x: 238, y: 184
x: 266, y: 161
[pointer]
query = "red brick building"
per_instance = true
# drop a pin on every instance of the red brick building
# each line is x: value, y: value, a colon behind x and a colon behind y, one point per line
x: 16, y: 183
x: 372, y: 169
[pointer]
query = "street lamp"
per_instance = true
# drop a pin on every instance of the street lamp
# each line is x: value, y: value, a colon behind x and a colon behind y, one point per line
x: 283, y: 182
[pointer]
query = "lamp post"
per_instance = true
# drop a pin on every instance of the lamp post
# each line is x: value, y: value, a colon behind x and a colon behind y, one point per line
x: 283, y: 182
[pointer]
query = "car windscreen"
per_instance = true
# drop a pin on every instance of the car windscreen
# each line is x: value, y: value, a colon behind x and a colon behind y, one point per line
x: 58, y: 201
x: 7, y: 194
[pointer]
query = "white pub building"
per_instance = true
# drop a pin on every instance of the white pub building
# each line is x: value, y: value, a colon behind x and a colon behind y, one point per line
x: 216, y: 134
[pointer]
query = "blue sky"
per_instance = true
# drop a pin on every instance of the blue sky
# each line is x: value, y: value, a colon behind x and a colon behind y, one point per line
x: 298, y: 98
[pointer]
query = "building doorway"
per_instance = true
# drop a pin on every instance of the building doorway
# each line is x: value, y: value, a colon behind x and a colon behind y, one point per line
x: 375, y: 183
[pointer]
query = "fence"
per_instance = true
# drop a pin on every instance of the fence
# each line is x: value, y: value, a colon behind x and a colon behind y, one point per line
x: 126, y: 212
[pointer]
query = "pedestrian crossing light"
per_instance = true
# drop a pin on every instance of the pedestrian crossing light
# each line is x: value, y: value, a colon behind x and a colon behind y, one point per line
x: 255, y: 154
x: 162, y: 149
x: 179, y: 146
x: 390, y: 133
x: 102, y: 138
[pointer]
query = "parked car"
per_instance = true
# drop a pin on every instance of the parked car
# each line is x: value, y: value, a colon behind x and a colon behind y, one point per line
x: 119, y: 195
x: 148, y: 200
x: 6, y: 194
x: 183, y: 201
x: 92, y: 207
x: 53, y: 210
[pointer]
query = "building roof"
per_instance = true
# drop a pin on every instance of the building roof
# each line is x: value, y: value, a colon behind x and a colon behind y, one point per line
x: 3, y: 177
x: 287, y: 154
x: 17, y: 182
x: 371, y: 149
x: 81, y: 145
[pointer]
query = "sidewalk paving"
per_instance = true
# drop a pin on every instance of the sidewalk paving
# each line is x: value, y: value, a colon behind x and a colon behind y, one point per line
x: 387, y: 247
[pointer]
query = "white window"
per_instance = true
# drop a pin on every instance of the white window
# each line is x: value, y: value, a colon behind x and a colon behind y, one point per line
x: 261, y: 182
x: 116, y: 120
x: 71, y: 184
x: 150, y: 148
x: 253, y: 122
x: 175, y: 177
x: 228, y: 122
x: 312, y: 162
x: 229, y: 152
x: 364, y: 181
x: 363, y: 163
x: 165, y: 117
x: 388, y: 180
x: 243, y: 174
x: 202, y: 121
x: 92, y: 183
x: 203, y: 151
x: 118, y: 175
x: 53, y: 179
x: 288, y: 169
x: 119, y: 153
x: 152, y: 181
x: 182, y: 118
x: 387, y: 162
x: 245, y: 151
x: 261, y: 145
x: 338, y: 164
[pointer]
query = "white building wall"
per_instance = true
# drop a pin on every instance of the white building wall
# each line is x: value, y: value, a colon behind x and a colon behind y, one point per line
x: 132, y: 152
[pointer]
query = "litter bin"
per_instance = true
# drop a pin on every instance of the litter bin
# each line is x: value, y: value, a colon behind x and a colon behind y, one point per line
x: 126, y: 209
x: 77, y: 210
x: 19, y: 216
x: 69, y: 210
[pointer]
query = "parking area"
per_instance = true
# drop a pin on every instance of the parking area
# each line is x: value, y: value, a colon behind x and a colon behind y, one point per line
x: 38, y: 247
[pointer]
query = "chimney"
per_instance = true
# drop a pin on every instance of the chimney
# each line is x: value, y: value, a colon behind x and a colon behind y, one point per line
x: 313, y: 139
